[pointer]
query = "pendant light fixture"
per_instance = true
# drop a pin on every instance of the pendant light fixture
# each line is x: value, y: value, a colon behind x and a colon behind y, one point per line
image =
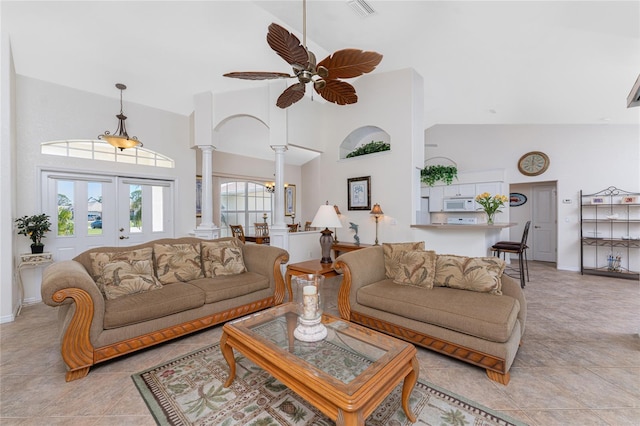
x: 120, y: 139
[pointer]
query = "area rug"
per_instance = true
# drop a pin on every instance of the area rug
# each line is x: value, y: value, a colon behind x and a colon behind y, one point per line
x: 189, y: 391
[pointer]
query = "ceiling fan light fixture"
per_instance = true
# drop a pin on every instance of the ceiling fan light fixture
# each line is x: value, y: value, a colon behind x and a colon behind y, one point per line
x: 120, y: 138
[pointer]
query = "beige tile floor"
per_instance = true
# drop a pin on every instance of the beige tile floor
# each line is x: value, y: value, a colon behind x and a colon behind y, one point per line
x: 579, y: 363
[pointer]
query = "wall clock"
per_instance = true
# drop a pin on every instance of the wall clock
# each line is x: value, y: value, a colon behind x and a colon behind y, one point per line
x: 533, y: 163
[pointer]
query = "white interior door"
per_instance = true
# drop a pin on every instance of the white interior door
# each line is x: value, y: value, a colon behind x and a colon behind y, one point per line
x: 89, y: 211
x: 544, y: 223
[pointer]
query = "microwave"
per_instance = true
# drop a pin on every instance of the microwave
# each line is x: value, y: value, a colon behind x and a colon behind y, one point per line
x: 459, y: 204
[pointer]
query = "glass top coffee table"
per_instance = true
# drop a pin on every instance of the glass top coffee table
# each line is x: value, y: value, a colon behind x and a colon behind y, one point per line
x: 346, y: 375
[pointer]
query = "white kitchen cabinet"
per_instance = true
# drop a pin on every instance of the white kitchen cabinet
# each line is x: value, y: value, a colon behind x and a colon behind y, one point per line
x: 492, y: 188
x: 436, y: 196
x: 462, y: 190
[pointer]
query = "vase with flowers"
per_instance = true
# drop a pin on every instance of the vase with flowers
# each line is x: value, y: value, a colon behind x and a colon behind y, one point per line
x: 491, y: 204
x: 34, y: 227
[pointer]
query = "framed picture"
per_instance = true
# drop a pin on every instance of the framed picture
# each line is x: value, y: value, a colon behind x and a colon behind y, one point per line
x: 597, y: 200
x: 629, y: 199
x: 290, y: 200
x: 359, y: 193
x: 198, y: 196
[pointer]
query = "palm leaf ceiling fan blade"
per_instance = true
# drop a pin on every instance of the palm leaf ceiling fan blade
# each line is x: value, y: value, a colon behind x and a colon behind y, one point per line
x: 258, y: 75
x: 287, y: 46
x: 350, y: 63
x: 339, y: 92
x: 291, y: 95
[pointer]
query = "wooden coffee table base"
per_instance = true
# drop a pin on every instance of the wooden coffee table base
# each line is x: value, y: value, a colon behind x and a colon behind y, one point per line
x: 345, y: 409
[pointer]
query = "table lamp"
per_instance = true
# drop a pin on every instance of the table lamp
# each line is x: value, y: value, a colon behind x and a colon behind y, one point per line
x: 376, y: 211
x: 326, y: 218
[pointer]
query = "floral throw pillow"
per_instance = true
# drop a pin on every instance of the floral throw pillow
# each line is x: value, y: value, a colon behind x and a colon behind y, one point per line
x: 123, y: 278
x: 417, y: 268
x: 177, y: 262
x: 222, y: 258
x: 100, y: 259
x: 393, y: 252
x: 482, y: 274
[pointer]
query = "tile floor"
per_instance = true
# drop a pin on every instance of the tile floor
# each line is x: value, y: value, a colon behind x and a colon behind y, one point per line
x: 579, y: 363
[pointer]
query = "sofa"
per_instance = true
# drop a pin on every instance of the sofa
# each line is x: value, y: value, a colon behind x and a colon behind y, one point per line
x: 472, y: 311
x: 112, y: 301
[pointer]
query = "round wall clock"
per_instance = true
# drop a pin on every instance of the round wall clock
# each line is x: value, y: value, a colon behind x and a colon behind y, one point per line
x: 533, y: 163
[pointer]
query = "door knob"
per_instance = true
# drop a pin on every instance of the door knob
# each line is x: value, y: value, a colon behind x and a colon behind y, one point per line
x: 122, y: 237
x: 537, y: 227
x: 121, y: 229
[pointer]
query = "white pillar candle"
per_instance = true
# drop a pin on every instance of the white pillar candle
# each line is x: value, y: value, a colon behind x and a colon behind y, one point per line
x: 309, y: 302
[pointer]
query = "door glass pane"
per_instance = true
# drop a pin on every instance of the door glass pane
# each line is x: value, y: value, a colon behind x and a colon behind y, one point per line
x: 66, y: 223
x: 157, y: 206
x: 135, y: 208
x: 94, y: 208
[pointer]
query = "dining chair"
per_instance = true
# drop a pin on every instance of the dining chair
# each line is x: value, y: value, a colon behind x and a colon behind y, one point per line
x: 307, y: 226
x: 237, y: 231
x: 293, y: 227
x: 519, y: 248
x: 262, y: 229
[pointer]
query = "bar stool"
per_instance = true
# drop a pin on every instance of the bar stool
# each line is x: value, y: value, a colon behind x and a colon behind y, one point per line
x: 519, y: 248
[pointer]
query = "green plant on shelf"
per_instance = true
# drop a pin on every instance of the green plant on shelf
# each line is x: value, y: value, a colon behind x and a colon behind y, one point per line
x: 432, y: 174
x: 370, y: 148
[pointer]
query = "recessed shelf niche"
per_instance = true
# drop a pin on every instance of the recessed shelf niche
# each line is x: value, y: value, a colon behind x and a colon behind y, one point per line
x: 362, y: 136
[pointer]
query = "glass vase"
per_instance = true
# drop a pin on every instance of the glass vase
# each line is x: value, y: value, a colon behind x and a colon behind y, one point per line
x: 490, y: 218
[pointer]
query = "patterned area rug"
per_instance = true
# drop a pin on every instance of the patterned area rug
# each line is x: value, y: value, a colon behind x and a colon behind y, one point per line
x: 189, y: 391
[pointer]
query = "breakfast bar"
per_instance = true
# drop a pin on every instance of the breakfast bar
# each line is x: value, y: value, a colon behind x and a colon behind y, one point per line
x: 464, y: 240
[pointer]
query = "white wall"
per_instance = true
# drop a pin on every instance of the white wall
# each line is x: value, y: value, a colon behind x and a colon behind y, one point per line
x: 587, y: 157
x: 8, y: 288
x: 393, y: 102
x: 47, y: 112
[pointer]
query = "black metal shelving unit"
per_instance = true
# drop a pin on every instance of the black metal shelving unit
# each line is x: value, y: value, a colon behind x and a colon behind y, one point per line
x: 610, y: 233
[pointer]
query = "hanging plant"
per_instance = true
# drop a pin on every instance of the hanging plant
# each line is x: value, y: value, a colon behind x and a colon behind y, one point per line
x: 370, y: 148
x: 432, y: 174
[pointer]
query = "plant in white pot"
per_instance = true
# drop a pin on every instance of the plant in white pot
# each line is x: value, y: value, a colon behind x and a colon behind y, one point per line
x: 34, y: 227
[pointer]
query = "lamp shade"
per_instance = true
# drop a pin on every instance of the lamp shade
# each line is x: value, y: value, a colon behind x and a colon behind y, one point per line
x: 376, y: 210
x: 326, y: 217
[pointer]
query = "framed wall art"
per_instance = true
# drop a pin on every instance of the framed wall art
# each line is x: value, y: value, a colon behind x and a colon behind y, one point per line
x: 359, y: 193
x: 290, y: 200
x: 198, y: 196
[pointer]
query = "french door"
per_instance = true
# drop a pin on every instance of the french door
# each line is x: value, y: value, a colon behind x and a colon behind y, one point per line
x: 95, y: 211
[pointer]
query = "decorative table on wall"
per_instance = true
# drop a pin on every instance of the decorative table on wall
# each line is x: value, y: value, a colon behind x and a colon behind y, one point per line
x: 28, y: 260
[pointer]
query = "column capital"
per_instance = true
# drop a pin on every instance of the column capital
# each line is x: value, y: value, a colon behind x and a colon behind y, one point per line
x: 279, y: 148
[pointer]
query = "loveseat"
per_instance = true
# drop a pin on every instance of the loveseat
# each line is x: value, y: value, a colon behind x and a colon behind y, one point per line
x: 112, y: 301
x: 480, y: 322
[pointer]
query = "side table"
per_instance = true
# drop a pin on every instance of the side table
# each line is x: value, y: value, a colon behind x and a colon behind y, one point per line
x: 339, y: 248
x: 28, y: 260
x: 307, y: 267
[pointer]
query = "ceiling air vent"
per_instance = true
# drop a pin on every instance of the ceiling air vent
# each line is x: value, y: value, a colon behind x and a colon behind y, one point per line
x: 361, y: 7
x: 633, y: 99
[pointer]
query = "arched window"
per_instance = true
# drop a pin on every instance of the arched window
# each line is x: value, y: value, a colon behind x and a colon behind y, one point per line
x: 99, y: 150
x: 244, y: 203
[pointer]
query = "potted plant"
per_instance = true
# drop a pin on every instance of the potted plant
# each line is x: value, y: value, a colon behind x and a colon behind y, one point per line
x: 370, y: 148
x: 432, y: 174
x: 491, y: 204
x: 34, y: 227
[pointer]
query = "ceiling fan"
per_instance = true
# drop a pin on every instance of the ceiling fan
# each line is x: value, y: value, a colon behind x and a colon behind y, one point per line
x: 325, y: 75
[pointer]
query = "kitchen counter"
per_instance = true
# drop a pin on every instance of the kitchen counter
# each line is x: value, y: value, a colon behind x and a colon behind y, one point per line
x: 458, y: 226
x: 463, y: 240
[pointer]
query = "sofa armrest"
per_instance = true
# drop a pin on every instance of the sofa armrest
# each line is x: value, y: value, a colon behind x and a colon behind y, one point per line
x: 511, y: 287
x: 266, y: 260
x: 69, y: 282
x: 359, y: 268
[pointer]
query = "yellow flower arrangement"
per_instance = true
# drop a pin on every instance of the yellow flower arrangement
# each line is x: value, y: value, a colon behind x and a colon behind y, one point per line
x: 491, y: 205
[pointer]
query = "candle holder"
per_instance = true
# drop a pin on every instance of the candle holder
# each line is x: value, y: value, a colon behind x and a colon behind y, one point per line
x: 309, y: 306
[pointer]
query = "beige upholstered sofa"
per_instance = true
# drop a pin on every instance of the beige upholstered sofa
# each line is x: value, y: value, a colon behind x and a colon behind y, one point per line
x: 100, y: 321
x: 480, y: 328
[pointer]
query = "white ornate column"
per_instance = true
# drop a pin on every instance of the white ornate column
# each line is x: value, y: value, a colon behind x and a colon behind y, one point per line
x: 279, y: 190
x: 203, y: 135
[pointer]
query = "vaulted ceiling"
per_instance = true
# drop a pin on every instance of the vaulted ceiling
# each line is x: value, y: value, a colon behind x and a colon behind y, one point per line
x: 501, y: 62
